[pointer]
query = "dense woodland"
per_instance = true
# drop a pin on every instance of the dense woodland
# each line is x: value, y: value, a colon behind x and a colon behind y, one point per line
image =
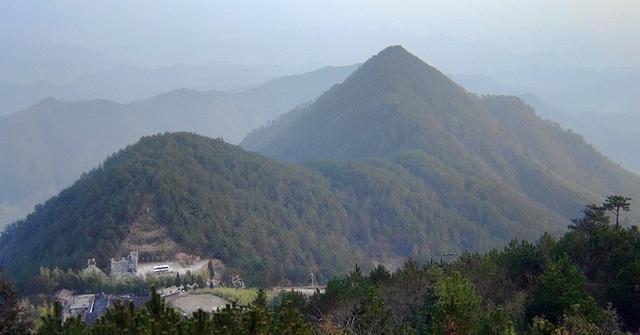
x: 47, y: 146
x: 397, y: 162
x: 585, y: 282
x: 397, y: 105
x: 274, y: 223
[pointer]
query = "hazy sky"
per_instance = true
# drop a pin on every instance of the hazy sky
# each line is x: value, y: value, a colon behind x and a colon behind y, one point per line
x: 155, y: 32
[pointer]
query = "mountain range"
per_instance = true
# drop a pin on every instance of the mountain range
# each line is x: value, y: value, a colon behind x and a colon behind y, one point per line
x: 397, y: 161
x: 608, y: 126
x: 126, y: 84
x: 47, y: 146
x: 396, y: 102
x: 397, y: 105
x: 32, y: 73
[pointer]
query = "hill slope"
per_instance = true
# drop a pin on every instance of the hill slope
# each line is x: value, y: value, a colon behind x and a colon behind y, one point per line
x: 271, y: 221
x: 395, y: 102
x: 613, y: 132
x: 399, y: 161
x: 213, y: 198
x: 45, y: 147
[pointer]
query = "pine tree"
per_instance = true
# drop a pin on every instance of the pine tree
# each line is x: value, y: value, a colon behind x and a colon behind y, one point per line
x: 211, y: 270
x: 13, y: 318
x: 290, y: 322
x: 178, y: 280
x: 451, y: 307
x: 614, y: 204
x: 261, y: 299
x: 559, y: 290
x: 52, y: 322
x: 200, y: 281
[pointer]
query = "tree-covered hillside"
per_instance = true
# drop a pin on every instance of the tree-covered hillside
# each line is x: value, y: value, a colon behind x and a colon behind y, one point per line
x: 395, y: 103
x: 399, y: 162
x: 416, y: 208
x: 47, y: 146
x: 582, y: 283
x: 271, y: 221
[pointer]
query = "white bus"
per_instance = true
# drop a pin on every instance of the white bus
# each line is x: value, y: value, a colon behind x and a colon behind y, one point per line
x: 161, y: 268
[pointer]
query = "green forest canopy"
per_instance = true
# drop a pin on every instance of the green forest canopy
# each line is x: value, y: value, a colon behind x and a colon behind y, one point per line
x: 271, y: 221
x: 584, y: 283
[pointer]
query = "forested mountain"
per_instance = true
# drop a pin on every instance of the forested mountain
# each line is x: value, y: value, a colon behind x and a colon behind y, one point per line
x: 614, y: 134
x: 399, y: 161
x: 584, y: 283
x: 214, y: 198
x: 44, y: 148
x: 271, y: 221
x: 611, y: 131
x: 395, y: 102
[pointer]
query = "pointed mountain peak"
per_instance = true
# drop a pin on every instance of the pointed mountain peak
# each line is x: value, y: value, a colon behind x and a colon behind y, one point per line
x: 394, y: 50
x: 396, y: 68
x: 398, y: 54
x: 394, y: 54
x: 394, y: 101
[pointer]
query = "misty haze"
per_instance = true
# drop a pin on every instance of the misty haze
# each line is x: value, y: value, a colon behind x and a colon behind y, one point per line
x: 319, y: 167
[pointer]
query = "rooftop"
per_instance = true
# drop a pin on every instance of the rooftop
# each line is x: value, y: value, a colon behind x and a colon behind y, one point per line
x: 82, y: 301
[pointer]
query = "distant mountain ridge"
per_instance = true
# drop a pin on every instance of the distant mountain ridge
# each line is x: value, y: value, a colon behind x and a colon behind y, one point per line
x: 44, y: 148
x: 397, y: 161
x: 395, y: 102
x: 31, y: 73
x: 126, y: 84
x: 613, y: 132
